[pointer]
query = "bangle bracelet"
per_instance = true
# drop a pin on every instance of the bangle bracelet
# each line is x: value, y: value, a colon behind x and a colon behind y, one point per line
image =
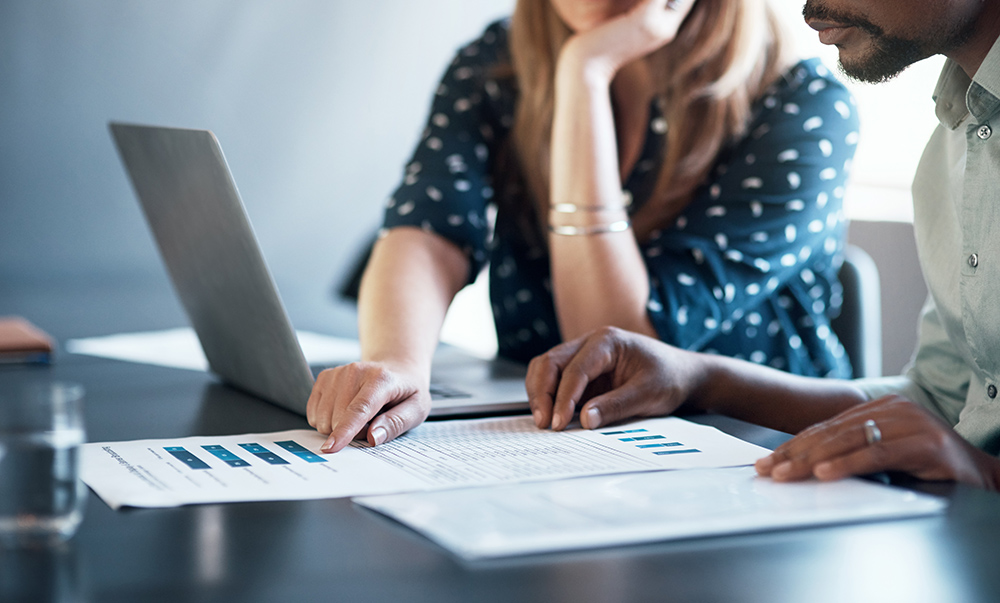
x: 573, y: 231
x: 572, y: 208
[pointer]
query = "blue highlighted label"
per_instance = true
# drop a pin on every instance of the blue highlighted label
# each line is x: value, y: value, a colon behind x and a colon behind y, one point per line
x: 641, y: 438
x: 182, y: 455
x: 264, y: 454
x: 624, y: 431
x: 227, y: 457
x: 301, y: 452
x: 665, y: 452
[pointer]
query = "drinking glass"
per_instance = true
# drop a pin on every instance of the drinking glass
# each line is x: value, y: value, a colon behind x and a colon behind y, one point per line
x: 41, y: 494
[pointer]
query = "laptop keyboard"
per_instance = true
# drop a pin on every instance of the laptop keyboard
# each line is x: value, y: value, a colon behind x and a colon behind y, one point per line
x: 438, y: 391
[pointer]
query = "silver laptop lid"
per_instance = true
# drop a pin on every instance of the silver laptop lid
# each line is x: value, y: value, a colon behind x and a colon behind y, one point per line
x: 206, y: 240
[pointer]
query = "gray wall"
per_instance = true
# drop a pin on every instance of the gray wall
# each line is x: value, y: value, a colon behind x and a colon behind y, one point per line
x: 317, y: 104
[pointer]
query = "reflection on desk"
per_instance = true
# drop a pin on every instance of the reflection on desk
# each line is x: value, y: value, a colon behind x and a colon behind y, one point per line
x: 332, y: 549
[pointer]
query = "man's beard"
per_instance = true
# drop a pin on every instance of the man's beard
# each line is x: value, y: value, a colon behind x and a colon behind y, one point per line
x: 887, y: 56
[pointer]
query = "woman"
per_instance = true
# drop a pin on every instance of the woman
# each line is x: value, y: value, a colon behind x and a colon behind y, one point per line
x: 656, y: 165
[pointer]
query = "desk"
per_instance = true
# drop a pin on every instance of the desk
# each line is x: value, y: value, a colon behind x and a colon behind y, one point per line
x: 331, y: 550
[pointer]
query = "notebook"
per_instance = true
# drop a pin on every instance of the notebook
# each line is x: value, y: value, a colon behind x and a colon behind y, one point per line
x: 207, y: 243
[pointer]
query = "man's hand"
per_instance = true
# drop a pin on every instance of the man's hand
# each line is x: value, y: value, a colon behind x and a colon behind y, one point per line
x: 614, y: 374
x: 371, y: 400
x: 908, y: 439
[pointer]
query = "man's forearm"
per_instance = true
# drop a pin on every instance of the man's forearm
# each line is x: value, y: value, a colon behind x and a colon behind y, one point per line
x: 768, y: 397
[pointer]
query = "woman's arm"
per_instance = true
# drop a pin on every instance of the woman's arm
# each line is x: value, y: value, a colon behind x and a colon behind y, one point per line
x: 585, y: 175
x: 410, y: 281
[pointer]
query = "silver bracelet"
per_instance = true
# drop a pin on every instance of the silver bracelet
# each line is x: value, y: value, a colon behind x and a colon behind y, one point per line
x: 574, y: 231
x: 572, y: 208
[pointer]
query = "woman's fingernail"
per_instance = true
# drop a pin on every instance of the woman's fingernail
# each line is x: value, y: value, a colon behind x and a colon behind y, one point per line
x: 593, y: 418
x: 764, y: 464
x: 537, y: 414
x: 378, y: 435
x: 328, y: 445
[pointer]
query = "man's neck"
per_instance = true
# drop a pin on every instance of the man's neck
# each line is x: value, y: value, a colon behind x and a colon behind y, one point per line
x: 972, y: 54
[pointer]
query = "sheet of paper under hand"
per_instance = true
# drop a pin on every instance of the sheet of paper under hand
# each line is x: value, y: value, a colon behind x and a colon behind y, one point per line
x: 521, y: 519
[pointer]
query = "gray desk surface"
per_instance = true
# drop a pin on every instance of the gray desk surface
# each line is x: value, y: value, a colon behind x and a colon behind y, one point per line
x: 332, y: 550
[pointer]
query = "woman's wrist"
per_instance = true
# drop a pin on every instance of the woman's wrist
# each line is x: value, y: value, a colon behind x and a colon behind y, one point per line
x: 571, y: 219
x: 577, y: 67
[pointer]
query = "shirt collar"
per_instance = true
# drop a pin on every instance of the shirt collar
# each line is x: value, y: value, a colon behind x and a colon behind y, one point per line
x: 956, y: 95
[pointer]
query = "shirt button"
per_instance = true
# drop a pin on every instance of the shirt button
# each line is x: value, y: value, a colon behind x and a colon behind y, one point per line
x: 974, y: 260
x: 991, y: 391
x: 984, y: 132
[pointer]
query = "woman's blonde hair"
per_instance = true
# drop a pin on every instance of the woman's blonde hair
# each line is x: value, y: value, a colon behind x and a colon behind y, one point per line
x: 725, y: 56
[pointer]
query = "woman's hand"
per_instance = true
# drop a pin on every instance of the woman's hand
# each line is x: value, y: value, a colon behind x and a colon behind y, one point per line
x: 646, y: 27
x: 905, y: 438
x: 614, y: 373
x: 373, y: 400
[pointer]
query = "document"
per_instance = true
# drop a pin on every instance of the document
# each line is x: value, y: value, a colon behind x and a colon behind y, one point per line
x: 520, y: 519
x: 179, y: 348
x: 436, y: 455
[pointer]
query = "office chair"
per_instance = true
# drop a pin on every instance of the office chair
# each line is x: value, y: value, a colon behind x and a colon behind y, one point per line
x: 859, y: 325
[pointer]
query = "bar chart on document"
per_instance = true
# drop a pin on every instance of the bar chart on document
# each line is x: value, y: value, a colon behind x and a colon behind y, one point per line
x: 436, y: 455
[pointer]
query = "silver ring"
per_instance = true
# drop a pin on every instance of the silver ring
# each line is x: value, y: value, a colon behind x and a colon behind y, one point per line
x: 673, y: 4
x: 873, y: 435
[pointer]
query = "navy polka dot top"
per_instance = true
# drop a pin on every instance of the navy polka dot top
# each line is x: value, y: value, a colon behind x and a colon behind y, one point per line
x: 748, y: 269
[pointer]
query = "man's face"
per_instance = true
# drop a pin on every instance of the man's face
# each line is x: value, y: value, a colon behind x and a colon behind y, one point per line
x: 878, y: 39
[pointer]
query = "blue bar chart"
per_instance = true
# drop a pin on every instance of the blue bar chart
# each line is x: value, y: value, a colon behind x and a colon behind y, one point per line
x: 183, y: 455
x: 300, y: 451
x: 226, y: 456
x: 264, y: 454
x: 649, y: 442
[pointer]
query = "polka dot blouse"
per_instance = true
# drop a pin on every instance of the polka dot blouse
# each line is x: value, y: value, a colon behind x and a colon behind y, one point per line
x: 748, y: 269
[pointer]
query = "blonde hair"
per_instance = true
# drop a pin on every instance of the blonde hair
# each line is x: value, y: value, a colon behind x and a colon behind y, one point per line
x: 725, y: 56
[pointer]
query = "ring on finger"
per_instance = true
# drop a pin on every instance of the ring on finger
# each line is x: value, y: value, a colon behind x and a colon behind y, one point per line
x: 873, y: 435
x: 673, y: 4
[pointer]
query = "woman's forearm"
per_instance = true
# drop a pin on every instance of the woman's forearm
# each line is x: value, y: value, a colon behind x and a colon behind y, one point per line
x: 598, y: 279
x: 408, y: 285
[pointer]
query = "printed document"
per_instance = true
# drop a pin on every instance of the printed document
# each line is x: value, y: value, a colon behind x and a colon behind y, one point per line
x: 436, y: 455
x: 519, y: 519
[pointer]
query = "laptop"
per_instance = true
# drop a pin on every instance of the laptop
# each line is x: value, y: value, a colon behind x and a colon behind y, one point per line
x: 218, y: 271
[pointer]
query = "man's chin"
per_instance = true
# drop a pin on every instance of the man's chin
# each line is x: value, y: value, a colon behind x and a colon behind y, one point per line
x: 879, y: 59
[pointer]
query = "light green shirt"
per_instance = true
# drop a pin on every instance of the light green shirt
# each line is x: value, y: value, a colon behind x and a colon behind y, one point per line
x: 955, y: 371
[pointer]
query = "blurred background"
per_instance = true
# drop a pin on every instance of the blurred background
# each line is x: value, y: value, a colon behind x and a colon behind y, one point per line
x: 317, y: 104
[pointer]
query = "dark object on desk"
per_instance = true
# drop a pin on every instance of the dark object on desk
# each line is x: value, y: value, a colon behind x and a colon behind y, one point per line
x: 21, y: 341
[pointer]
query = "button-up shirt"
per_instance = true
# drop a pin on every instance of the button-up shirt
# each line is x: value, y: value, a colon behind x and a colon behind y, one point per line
x: 955, y: 370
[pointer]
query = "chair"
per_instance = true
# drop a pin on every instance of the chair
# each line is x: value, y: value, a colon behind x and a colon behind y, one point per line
x: 859, y: 325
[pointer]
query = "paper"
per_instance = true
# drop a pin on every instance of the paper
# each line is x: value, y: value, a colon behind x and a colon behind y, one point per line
x: 436, y: 455
x: 179, y: 348
x: 478, y: 523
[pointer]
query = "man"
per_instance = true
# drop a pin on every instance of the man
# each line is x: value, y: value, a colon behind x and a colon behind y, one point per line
x: 941, y: 420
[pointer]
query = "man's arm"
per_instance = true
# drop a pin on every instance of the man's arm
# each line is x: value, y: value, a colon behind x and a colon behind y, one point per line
x: 612, y: 375
x: 618, y: 375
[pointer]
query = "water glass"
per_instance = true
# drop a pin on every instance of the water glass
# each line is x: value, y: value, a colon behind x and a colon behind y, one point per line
x: 41, y: 494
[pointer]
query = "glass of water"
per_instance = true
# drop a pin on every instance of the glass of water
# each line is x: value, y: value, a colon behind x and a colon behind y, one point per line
x: 41, y: 494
